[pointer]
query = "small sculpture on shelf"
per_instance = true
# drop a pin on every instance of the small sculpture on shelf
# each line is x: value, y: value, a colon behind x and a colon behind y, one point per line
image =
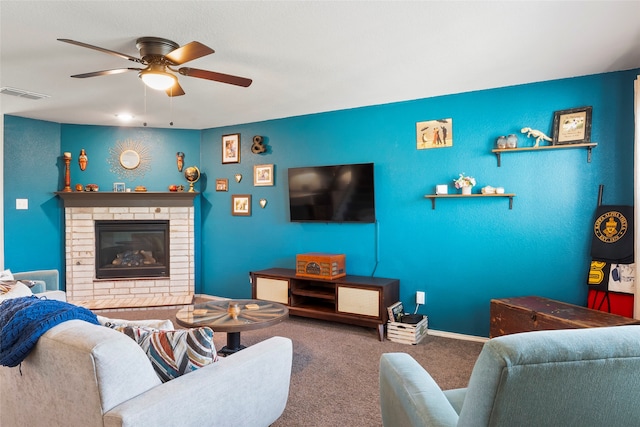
x: 535, y: 134
x: 180, y: 160
x: 83, y: 159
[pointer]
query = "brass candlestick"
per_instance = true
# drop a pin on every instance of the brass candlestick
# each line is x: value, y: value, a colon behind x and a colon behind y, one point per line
x: 67, y: 172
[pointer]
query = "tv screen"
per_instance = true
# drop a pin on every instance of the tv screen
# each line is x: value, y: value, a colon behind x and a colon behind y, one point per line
x: 340, y: 193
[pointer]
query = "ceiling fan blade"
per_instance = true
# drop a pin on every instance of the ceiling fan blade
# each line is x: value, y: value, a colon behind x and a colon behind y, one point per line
x: 175, y: 90
x: 103, y: 50
x: 217, y: 77
x: 105, y: 72
x: 188, y: 52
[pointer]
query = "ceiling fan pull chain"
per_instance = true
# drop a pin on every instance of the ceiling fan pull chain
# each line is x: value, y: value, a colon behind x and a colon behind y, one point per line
x: 171, y: 108
x: 145, y: 102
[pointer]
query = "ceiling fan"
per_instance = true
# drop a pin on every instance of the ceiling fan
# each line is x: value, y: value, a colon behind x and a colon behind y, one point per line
x: 160, y: 57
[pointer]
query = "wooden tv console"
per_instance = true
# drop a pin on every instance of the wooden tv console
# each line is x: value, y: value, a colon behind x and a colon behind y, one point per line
x: 356, y: 300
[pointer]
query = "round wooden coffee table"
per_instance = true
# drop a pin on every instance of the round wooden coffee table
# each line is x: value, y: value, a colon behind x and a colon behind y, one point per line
x: 232, y: 317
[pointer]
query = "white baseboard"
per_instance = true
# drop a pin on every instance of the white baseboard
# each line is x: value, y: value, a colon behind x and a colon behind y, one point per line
x: 455, y: 336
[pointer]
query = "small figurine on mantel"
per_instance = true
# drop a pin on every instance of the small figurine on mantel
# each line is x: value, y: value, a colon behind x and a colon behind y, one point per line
x: 180, y: 160
x: 536, y: 134
x: 82, y: 159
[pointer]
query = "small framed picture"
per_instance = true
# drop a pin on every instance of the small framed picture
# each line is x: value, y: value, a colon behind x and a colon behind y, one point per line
x: 222, y: 184
x: 434, y: 134
x: 572, y: 126
x: 241, y: 204
x: 231, y: 148
x: 118, y: 187
x: 262, y: 175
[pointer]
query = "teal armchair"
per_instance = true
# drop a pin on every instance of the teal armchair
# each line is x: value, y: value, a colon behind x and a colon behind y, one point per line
x: 47, y: 282
x: 577, y: 377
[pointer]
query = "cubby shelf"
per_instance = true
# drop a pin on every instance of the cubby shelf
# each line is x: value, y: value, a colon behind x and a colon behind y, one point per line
x: 433, y: 197
x: 589, y: 146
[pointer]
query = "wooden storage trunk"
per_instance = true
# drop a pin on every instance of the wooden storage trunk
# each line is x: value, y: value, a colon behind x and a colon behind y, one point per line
x: 320, y: 266
x: 406, y: 333
x: 531, y: 313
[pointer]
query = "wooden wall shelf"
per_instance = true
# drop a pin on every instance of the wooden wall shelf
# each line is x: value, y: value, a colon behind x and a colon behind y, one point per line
x: 433, y: 197
x: 589, y: 146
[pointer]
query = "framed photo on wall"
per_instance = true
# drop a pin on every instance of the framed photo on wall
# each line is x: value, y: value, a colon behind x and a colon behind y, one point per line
x: 241, y: 204
x: 222, y: 184
x: 262, y: 175
x: 231, y: 148
x: 572, y: 126
x: 434, y: 134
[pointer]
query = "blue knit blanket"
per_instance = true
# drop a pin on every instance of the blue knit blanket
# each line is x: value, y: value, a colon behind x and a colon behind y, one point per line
x: 24, y: 320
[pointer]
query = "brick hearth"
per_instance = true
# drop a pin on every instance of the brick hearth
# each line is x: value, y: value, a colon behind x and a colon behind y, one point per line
x: 137, y: 303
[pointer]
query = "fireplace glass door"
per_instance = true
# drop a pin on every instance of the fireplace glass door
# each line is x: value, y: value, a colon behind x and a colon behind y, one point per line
x: 129, y: 249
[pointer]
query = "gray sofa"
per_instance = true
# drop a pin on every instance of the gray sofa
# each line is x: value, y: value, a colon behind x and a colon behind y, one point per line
x: 84, y: 375
x: 578, y: 377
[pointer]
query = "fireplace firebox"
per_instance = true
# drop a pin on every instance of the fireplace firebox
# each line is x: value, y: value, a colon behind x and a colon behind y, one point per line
x: 129, y: 249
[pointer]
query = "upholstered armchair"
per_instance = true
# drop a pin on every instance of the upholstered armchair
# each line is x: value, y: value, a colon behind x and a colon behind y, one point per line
x: 47, y: 283
x: 578, y: 377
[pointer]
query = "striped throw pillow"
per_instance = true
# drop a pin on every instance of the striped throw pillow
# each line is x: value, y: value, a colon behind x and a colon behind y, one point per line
x: 174, y: 353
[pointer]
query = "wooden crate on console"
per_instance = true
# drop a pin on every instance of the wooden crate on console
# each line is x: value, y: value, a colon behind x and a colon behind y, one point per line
x: 406, y: 333
x: 532, y: 313
x: 355, y: 300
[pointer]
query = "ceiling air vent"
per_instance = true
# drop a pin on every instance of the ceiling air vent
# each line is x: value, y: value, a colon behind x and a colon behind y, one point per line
x: 21, y: 93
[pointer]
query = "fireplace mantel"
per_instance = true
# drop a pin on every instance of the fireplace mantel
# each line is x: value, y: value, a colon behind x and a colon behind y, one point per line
x: 126, y: 199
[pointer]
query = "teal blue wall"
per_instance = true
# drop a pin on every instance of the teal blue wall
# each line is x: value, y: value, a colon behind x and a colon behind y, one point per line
x: 463, y: 253
x: 33, y: 151
x: 32, y: 237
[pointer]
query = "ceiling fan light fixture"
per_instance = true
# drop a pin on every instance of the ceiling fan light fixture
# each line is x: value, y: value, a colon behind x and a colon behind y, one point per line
x: 158, y: 79
x: 125, y: 117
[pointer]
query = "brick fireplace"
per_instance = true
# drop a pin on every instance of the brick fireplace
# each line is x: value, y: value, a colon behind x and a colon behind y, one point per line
x: 83, y: 209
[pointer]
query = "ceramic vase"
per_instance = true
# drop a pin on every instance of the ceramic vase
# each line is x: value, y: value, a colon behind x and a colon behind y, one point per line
x: 466, y: 190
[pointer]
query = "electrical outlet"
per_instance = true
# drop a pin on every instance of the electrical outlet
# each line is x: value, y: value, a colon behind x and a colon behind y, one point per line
x: 420, y: 297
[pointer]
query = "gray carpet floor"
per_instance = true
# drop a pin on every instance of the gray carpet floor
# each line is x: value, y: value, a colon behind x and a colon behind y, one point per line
x: 334, y: 377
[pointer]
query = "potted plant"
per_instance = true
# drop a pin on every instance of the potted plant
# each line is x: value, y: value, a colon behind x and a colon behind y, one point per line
x: 465, y: 183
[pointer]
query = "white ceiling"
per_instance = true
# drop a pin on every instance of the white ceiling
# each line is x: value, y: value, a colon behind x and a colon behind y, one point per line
x: 303, y: 56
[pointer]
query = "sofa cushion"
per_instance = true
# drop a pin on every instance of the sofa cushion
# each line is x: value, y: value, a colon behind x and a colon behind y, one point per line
x: 174, y: 353
x: 13, y: 289
x: 163, y: 325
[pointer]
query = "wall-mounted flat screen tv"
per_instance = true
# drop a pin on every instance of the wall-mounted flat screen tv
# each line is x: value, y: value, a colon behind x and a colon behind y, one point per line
x: 338, y: 193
